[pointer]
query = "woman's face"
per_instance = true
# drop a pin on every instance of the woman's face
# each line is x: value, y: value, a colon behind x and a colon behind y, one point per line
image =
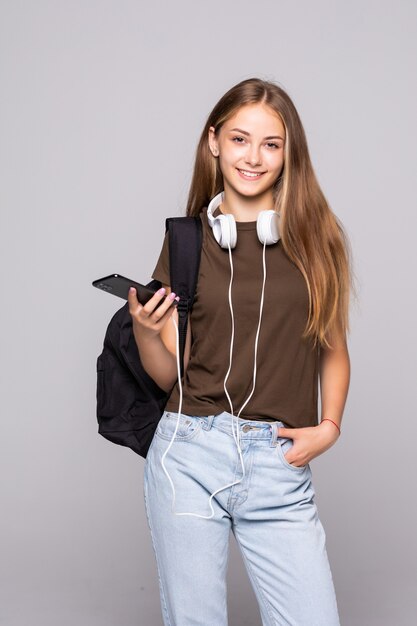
x: 251, y: 142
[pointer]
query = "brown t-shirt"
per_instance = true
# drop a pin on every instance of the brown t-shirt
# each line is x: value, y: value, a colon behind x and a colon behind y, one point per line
x: 287, y: 366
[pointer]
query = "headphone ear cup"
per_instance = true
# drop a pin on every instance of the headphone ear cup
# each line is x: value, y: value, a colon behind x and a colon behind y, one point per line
x: 267, y: 227
x: 224, y: 230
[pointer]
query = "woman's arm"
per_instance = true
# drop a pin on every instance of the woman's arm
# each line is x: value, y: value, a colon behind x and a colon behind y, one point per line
x: 158, y: 354
x: 334, y: 382
x: 311, y: 441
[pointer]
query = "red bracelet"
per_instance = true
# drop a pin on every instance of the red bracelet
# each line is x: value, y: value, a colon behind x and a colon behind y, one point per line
x: 329, y: 420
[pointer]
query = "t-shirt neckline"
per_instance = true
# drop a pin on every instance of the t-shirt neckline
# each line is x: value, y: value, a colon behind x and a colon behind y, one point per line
x: 239, y: 225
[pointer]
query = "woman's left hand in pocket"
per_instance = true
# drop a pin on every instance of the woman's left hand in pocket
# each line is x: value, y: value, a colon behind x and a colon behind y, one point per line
x: 309, y: 442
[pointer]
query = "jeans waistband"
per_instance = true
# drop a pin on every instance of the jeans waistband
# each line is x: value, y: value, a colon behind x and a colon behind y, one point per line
x: 248, y: 429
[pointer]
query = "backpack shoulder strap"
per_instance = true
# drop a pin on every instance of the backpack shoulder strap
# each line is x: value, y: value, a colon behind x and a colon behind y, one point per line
x: 185, y: 242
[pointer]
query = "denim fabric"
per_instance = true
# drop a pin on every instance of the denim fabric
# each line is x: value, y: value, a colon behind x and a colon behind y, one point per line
x: 271, y: 512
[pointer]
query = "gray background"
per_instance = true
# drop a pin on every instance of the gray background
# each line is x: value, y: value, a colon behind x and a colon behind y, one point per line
x: 102, y: 104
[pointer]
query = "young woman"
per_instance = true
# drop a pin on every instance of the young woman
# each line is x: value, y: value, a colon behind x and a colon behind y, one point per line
x: 269, y: 320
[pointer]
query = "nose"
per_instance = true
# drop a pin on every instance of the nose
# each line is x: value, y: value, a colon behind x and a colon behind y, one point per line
x: 252, y: 156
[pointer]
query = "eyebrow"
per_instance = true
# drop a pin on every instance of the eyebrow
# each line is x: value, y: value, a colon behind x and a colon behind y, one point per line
x: 244, y: 132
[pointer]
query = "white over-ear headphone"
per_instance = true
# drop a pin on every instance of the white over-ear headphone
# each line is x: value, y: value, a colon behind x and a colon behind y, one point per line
x: 224, y: 226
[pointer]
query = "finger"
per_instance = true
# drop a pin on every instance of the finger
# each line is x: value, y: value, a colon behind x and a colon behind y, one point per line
x: 164, y: 312
x: 157, y: 297
x: 287, y: 432
x: 166, y: 308
x: 133, y: 301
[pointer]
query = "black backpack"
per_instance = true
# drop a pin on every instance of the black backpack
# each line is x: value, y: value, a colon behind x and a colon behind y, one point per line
x: 129, y: 402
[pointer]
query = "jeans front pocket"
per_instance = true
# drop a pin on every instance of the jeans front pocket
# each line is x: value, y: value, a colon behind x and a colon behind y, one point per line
x: 283, y: 445
x: 188, y: 427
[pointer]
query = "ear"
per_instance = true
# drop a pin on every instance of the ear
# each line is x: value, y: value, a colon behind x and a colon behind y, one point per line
x: 213, y: 143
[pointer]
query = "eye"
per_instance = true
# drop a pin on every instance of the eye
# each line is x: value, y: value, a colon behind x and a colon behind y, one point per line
x: 273, y: 144
x: 238, y: 138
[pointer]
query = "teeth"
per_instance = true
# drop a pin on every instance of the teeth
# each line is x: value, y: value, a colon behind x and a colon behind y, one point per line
x: 249, y: 173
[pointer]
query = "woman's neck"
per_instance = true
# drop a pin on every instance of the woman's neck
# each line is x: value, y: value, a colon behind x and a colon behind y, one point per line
x: 246, y: 211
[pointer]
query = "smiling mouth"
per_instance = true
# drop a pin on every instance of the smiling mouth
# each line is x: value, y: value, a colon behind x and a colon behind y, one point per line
x: 249, y: 174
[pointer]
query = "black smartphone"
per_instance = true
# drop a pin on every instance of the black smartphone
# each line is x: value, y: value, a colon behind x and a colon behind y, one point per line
x: 119, y: 286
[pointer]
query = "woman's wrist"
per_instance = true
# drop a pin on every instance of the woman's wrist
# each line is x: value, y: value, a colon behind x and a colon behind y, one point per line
x: 327, y: 419
x: 328, y: 426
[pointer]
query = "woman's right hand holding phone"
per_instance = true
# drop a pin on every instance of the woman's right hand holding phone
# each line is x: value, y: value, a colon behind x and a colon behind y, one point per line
x: 148, y: 321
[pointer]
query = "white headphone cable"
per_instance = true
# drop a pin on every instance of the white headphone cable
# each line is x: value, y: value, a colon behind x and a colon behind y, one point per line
x: 237, y: 440
x: 230, y: 362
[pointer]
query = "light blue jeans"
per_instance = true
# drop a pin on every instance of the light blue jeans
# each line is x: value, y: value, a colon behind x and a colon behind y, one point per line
x: 272, y: 514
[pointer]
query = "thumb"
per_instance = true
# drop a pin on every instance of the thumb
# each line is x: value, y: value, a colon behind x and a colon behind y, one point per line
x: 285, y: 432
x: 134, y: 305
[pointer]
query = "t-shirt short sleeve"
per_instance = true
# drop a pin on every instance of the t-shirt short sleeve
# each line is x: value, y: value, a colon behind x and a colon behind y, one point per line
x: 161, y: 271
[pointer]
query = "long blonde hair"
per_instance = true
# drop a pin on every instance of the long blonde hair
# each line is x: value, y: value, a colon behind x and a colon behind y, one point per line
x: 312, y: 235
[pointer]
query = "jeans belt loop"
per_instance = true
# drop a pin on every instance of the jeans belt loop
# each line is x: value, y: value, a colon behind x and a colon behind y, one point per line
x: 274, y: 435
